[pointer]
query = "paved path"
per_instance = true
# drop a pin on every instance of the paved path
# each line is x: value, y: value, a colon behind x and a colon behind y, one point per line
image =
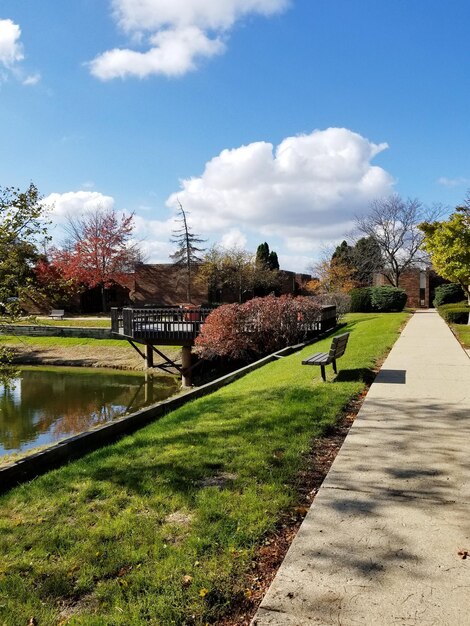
x: 380, y: 543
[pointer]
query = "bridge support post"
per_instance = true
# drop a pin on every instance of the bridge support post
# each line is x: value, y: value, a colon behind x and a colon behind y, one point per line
x: 186, y: 358
x: 149, y: 355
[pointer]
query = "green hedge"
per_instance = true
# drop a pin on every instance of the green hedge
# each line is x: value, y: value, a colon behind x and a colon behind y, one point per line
x: 361, y: 300
x: 445, y: 294
x: 455, y: 313
x: 383, y: 299
x: 387, y: 299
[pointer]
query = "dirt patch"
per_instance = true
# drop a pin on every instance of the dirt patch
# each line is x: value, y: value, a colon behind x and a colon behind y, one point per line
x: 221, y: 480
x: 72, y: 608
x: 179, y: 518
x: 117, y: 357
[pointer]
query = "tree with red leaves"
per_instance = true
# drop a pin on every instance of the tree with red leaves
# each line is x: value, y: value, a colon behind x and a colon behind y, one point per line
x: 100, y: 251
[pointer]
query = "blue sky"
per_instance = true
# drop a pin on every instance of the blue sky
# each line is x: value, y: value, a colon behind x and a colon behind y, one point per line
x: 270, y: 120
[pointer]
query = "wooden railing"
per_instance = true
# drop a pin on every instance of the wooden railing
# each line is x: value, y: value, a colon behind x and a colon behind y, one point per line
x: 181, y: 325
x: 178, y: 324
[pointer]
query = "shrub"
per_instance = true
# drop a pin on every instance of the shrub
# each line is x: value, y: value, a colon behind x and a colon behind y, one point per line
x: 259, y: 326
x: 462, y: 304
x: 456, y: 315
x: 387, y: 299
x: 361, y: 300
x: 445, y: 294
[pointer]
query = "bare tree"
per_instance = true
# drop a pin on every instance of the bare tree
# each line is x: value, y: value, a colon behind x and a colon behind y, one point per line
x: 187, y: 251
x: 393, y: 224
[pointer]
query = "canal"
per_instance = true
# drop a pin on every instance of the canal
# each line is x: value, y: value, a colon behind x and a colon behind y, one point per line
x: 44, y: 405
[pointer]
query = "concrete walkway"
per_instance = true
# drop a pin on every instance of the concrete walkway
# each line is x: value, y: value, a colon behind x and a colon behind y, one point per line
x: 380, y: 544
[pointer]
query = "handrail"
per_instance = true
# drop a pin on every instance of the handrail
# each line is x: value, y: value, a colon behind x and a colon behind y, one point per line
x: 183, y: 324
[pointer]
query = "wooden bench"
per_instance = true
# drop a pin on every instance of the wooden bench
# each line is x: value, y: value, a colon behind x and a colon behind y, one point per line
x: 337, y: 349
x: 57, y: 314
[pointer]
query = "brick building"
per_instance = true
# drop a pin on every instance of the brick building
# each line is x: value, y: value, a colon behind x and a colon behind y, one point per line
x: 418, y: 284
x: 165, y: 284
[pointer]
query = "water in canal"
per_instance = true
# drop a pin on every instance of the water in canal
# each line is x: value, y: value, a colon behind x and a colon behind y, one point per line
x: 44, y: 405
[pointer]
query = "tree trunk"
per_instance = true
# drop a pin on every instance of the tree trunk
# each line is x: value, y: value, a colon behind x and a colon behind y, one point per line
x: 103, y: 298
x: 468, y: 302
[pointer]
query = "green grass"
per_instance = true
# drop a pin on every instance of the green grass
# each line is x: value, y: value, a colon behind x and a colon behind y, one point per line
x: 76, y: 323
x: 110, y: 539
x: 463, y: 333
x: 57, y: 342
x: 73, y: 322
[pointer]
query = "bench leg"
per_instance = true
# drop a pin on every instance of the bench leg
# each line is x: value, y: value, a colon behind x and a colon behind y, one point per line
x: 323, y: 375
x: 334, y: 367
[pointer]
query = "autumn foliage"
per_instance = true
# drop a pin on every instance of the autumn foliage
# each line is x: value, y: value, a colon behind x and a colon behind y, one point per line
x: 259, y: 326
x: 100, y: 254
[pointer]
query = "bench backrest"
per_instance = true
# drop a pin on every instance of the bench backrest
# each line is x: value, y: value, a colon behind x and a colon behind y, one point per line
x: 338, y: 346
x: 57, y: 312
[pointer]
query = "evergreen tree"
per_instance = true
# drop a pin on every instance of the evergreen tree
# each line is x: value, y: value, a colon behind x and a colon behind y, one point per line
x: 187, y: 252
x: 273, y: 261
x: 262, y: 255
x: 266, y: 259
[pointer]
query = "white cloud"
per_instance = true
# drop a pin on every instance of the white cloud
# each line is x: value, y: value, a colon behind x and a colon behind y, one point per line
x: 174, y: 53
x: 453, y: 182
x: 305, y: 191
x: 177, y: 34
x: 11, y: 54
x: 234, y: 238
x: 32, y: 79
x: 11, y: 49
x: 135, y: 15
x: 153, y: 236
x: 75, y: 203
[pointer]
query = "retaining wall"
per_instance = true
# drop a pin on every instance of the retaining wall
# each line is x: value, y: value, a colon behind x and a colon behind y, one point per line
x: 58, y: 331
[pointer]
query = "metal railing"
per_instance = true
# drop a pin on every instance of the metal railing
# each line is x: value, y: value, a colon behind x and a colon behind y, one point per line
x: 183, y: 324
x: 160, y: 323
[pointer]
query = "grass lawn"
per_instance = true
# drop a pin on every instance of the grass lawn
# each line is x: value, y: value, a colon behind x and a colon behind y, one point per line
x: 76, y: 323
x: 72, y: 322
x: 57, y: 342
x: 463, y: 333
x: 161, y: 527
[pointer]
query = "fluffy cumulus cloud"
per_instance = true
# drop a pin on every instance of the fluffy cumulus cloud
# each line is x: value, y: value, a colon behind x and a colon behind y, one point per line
x: 176, y: 34
x: 11, y: 50
x: 75, y: 203
x: 305, y: 191
x: 11, y: 54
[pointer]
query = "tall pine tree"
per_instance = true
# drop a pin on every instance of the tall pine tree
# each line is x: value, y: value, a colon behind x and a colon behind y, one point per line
x: 186, y: 255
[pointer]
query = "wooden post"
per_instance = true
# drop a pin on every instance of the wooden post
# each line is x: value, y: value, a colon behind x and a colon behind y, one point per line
x: 186, y: 358
x: 149, y: 357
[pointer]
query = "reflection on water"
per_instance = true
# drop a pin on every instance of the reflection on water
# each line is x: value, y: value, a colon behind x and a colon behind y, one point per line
x: 42, y: 406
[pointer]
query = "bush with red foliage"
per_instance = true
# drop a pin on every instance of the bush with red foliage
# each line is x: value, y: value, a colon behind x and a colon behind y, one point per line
x: 259, y: 326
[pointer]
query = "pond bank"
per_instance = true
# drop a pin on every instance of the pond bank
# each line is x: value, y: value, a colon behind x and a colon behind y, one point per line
x: 83, y: 355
